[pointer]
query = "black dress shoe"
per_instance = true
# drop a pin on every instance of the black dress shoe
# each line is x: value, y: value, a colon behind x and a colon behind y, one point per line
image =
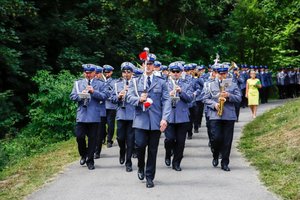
x: 149, y: 184
x: 177, y: 168
x: 196, y: 130
x: 168, y: 161
x: 128, y: 169
x: 90, y: 166
x: 122, y: 159
x: 215, y: 162
x: 225, y: 168
x: 190, y: 137
x: 141, y: 174
x: 82, y: 161
x: 96, y: 155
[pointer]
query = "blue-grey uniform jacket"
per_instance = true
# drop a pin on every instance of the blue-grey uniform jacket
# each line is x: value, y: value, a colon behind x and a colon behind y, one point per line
x: 211, y: 98
x: 281, y: 78
x: 102, y: 104
x: 199, y: 84
x: 90, y: 113
x: 180, y: 113
x: 125, y: 111
x: 108, y: 103
x: 292, y: 77
x: 264, y: 79
x: 238, y: 80
x: 245, y: 76
x: 150, y: 118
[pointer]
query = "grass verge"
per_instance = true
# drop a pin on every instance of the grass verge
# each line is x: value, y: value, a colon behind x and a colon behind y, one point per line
x: 30, y: 173
x: 272, y: 144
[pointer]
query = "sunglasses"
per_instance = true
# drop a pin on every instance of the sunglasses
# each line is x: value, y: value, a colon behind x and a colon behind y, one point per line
x: 175, y: 71
x: 106, y: 72
x: 149, y: 63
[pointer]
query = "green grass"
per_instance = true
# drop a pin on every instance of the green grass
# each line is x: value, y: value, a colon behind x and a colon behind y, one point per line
x: 272, y: 144
x: 30, y: 173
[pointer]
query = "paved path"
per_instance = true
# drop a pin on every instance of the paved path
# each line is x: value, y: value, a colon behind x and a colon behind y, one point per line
x: 198, y: 179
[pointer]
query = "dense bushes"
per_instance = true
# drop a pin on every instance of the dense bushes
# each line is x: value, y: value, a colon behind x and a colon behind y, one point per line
x: 52, y: 117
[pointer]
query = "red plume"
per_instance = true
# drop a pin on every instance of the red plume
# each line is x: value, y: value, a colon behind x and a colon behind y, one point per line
x: 143, y: 55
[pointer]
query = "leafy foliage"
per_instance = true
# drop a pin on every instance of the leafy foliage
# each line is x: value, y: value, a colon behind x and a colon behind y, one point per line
x: 8, y: 115
x: 52, y: 117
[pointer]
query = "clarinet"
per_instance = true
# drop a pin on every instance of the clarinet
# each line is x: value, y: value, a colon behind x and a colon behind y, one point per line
x: 86, y: 100
x: 124, y: 98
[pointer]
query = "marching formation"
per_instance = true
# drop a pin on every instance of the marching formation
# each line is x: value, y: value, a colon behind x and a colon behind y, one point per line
x: 154, y: 99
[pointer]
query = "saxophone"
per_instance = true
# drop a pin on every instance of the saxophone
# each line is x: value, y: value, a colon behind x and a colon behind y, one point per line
x: 221, y: 101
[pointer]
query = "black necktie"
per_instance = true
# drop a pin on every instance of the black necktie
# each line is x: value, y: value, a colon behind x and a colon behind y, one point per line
x: 89, y: 82
x: 148, y: 82
x: 127, y: 83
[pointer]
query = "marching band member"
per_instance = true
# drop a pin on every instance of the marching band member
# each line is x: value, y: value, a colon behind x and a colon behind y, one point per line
x: 245, y: 77
x: 125, y: 132
x: 110, y: 107
x: 181, y: 94
x: 149, y: 94
x: 220, y: 98
x: 212, y: 77
x: 88, y: 113
x: 102, y: 129
x: 157, y: 70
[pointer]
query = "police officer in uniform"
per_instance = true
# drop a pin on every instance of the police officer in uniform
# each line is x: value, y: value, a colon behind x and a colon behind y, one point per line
x: 149, y: 94
x: 238, y: 79
x: 125, y: 132
x: 157, y: 70
x: 281, y: 81
x: 199, y: 106
x: 245, y: 76
x: 88, y: 113
x: 212, y: 77
x: 264, y: 82
x: 222, y: 123
x: 192, y: 105
x: 164, y: 72
x: 110, y: 107
x: 102, y: 129
x: 181, y: 94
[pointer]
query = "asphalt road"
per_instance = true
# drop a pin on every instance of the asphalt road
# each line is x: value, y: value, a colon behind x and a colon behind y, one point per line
x: 198, y: 180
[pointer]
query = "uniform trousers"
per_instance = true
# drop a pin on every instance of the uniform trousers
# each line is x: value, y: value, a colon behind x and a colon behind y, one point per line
x: 110, y: 121
x: 198, y: 114
x: 125, y: 138
x: 175, y: 140
x: 208, y: 127
x: 263, y: 94
x: 144, y: 138
x: 237, y: 106
x: 89, y: 130
x: 100, y: 135
x: 193, y: 120
x: 221, y: 140
x: 244, y: 102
